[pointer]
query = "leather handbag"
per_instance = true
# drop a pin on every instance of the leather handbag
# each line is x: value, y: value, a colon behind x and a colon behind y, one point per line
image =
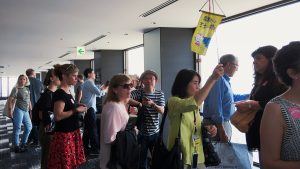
x: 242, y: 121
x: 162, y: 158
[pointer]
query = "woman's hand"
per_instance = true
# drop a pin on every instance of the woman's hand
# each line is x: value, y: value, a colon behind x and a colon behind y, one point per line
x: 133, y: 110
x: 81, y: 109
x: 212, y: 130
x: 10, y: 114
x: 247, y: 106
x: 218, y: 72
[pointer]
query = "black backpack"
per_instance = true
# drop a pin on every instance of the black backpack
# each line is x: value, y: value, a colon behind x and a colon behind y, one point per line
x: 125, y: 150
x: 37, y: 107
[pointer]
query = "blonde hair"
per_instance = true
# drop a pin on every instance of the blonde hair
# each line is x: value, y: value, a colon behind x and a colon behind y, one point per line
x: 27, y: 81
x: 114, y: 83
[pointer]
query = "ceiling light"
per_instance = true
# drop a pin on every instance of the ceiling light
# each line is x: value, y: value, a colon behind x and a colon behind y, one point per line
x: 64, y: 55
x: 157, y: 8
x: 94, y: 40
x: 125, y: 34
x: 153, y: 23
x: 107, y: 42
x: 48, y: 62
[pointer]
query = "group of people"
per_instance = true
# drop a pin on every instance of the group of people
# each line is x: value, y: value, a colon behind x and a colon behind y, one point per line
x: 274, y: 132
x: 63, y: 147
x: 274, y: 98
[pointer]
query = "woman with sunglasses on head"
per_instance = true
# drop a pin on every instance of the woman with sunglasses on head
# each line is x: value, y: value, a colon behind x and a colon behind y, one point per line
x: 51, y: 82
x: 66, y: 148
x: 280, y: 124
x: 20, y: 114
x: 114, y: 116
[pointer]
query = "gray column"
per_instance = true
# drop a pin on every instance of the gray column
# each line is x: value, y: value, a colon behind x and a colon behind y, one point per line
x: 167, y: 51
x: 107, y: 64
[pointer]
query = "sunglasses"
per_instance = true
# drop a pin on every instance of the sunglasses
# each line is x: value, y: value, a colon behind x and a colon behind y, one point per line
x: 127, y: 86
x: 70, y: 66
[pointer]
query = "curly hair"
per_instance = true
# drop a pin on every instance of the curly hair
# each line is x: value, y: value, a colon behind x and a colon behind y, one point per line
x: 288, y: 57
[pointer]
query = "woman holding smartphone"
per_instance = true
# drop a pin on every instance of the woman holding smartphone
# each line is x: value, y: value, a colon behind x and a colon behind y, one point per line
x: 66, y: 148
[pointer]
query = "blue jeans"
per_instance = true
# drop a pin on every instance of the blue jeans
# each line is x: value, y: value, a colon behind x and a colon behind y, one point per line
x: 19, y: 117
x: 147, y: 142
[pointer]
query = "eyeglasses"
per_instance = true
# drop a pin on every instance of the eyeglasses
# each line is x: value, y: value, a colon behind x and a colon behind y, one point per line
x: 236, y: 65
x: 127, y: 86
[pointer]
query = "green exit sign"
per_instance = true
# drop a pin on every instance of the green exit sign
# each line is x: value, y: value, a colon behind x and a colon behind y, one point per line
x: 80, y: 51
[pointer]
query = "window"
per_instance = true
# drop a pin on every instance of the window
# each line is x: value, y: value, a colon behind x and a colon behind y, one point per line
x: 7, y: 84
x: 134, y: 61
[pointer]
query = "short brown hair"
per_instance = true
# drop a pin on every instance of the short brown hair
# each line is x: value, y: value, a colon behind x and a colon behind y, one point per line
x: 114, y: 83
x: 29, y: 72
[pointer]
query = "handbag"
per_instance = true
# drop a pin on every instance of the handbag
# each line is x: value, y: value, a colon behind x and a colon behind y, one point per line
x: 5, y: 110
x: 162, y: 158
x: 211, y: 156
x: 233, y: 155
x: 243, y: 121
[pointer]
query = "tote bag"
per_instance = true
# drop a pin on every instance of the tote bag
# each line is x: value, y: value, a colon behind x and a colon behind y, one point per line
x: 5, y: 111
x: 162, y: 158
x: 233, y: 156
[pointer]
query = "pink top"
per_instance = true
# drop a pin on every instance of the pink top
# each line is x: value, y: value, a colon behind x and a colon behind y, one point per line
x: 114, y: 118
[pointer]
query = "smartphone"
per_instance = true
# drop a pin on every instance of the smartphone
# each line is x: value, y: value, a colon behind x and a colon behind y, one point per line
x: 146, y: 98
x: 194, y: 160
x: 106, y: 83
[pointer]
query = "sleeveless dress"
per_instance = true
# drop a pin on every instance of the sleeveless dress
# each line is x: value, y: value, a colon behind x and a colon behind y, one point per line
x: 290, y: 147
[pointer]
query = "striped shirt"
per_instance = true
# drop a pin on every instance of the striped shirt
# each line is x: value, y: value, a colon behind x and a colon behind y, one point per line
x: 290, y: 147
x: 150, y: 124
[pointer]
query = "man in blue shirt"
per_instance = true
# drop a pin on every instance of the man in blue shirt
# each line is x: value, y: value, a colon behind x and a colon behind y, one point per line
x: 89, y: 93
x: 219, y: 104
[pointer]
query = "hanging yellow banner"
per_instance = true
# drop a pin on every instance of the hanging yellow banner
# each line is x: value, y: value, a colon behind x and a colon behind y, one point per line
x: 206, y: 27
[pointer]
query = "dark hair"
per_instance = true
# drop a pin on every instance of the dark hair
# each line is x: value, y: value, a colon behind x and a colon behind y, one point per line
x: 80, y: 77
x: 269, y: 75
x: 66, y: 69
x: 288, y: 57
x: 47, y: 79
x: 87, y: 72
x: 228, y: 58
x: 29, y: 72
x: 181, y: 82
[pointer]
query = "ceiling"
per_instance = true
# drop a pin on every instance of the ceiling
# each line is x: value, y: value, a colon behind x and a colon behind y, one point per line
x: 35, y: 32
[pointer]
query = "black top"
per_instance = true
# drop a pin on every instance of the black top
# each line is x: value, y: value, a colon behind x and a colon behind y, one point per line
x: 263, y: 94
x: 71, y: 123
x: 46, y: 106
